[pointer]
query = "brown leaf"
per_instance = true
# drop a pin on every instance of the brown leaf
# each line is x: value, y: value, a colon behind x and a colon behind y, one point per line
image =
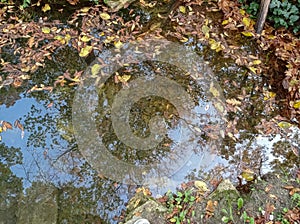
x: 6, y: 125
x: 19, y: 125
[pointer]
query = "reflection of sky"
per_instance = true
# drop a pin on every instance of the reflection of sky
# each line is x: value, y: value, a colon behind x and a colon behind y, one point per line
x: 34, y: 165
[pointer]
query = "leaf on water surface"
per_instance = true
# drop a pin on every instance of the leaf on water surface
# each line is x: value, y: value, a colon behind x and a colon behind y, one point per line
x: 118, y: 44
x: 1, y: 129
x: 248, y: 175
x: 182, y: 9
x: 296, y: 104
x: 124, y: 78
x: 85, y: 51
x: 104, y: 16
x: 284, y: 124
x: 256, y: 62
x: 17, y: 124
x: 246, y: 21
x: 46, y: 8
x: 6, y: 125
x: 85, y: 39
x: 46, y: 30
x: 248, y: 34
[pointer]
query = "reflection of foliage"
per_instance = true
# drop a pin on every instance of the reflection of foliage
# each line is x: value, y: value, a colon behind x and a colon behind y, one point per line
x: 10, y: 185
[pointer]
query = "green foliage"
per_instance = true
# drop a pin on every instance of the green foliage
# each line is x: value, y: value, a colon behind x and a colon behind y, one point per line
x: 26, y: 3
x: 283, y: 13
x: 296, y: 199
x: 181, y: 202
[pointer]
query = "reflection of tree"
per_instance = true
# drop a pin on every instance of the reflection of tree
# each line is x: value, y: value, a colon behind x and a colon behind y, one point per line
x: 10, y: 184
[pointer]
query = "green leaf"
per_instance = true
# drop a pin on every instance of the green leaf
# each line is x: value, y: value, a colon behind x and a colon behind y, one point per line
x: 225, y: 219
x: 240, y: 203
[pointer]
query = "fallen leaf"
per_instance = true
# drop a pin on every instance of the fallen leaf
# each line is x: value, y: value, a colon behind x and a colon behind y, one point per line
x: 247, y: 34
x: 246, y: 21
x: 95, y: 70
x: 214, y: 90
x: 46, y: 8
x: 85, y: 51
x: 104, y: 16
x: 284, y: 124
x: 46, y: 30
x: 85, y: 39
x: 201, y: 186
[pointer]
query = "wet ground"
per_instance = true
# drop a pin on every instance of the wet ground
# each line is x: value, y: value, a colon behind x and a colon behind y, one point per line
x: 43, y: 165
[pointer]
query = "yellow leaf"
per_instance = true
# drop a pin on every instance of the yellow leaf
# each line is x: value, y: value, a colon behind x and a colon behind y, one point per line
x: 60, y: 38
x: 67, y: 38
x: 201, y: 186
x: 213, y: 90
x: 1, y: 129
x: 173, y: 220
x: 242, y: 11
x: 225, y: 22
x: 205, y: 29
x: 284, y: 124
x: 247, y: 34
x: 95, y: 70
x: 118, y: 44
x: 248, y: 175
x: 233, y: 102
x: 182, y: 9
x: 184, y: 39
x: 124, y: 78
x: 104, y: 16
x: 219, y: 107
x: 252, y: 69
x: 46, y: 8
x: 46, y: 30
x: 297, y: 104
x: 85, y: 51
x: 85, y: 39
x: 256, y: 62
x: 272, y: 94
x: 246, y: 21
x: 85, y: 9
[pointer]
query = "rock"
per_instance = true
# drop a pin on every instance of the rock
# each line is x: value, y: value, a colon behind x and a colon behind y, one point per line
x: 225, y: 189
x: 115, y: 5
x: 144, y: 206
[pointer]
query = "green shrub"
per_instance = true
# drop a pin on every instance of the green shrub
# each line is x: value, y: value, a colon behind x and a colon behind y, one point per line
x: 283, y: 13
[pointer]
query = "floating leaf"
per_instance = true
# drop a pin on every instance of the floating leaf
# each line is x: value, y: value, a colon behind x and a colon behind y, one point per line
x: 124, y: 78
x: 85, y: 51
x: 1, y: 129
x: 67, y: 38
x: 247, y: 34
x: 297, y: 104
x: 256, y: 62
x: 118, y: 44
x: 95, y: 70
x: 46, y: 30
x: 284, y: 124
x: 85, y: 39
x: 246, y: 21
x: 248, y: 175
x: 182, y: 9
x: 46, y: 8
x: 225, y: 22
x: 85, y: 9
x: 6, y: 125
x: 17, y: 124
x: 252, y: 69
x: 104, y: 16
